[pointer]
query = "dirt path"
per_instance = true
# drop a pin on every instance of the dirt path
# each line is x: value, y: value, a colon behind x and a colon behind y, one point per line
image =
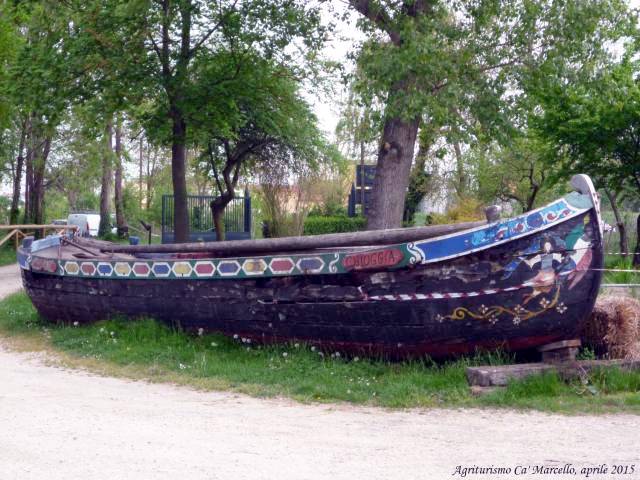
x: 61, y: 424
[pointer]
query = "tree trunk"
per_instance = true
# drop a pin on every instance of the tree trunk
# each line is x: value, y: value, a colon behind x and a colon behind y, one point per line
x: 149, y: 171
x: 28, y: 181
x: 17, y: 177
x: 622, y: 230
x: 636, y: 256
x: 36, y: 160
x: 218, y: 205
x: 105, y: 187
x: 461, y: 178
x: 121, y: 221
x: 178, y: 176
x: 37, y: 192
x: 140, y: 172
x: 218, y: 222
x: 392, y: 174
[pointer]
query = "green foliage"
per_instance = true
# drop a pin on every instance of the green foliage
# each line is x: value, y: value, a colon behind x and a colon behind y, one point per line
x: 593, y: 126
x: 465, y: 210
x: 631, y: 275
x: 7, y: 253
x: 314, y: 225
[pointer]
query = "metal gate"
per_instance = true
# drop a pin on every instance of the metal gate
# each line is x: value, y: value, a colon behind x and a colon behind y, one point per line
x: 237, y: 218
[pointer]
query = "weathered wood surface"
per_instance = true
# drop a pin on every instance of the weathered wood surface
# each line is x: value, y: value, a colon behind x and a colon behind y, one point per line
x: 284, y: 244
x: 500, y: 376
x: 557, y: 352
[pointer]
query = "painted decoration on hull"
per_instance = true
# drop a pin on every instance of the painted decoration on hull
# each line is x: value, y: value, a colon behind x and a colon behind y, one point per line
x: 389, y: 258
x: 554, y: 263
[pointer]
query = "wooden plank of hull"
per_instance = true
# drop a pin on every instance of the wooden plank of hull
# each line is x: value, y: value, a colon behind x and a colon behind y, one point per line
x: 485, y: 299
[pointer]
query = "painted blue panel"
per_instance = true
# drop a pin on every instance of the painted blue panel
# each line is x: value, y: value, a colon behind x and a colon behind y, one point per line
x: 105, y: 269
x: 161, y: 269
x: 228, y: 267
x: 484, y: 237
x: 310, y: 264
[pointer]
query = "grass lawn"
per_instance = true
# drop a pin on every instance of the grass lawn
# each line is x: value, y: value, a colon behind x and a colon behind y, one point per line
x: 7, y: 255
x: 148, y: 350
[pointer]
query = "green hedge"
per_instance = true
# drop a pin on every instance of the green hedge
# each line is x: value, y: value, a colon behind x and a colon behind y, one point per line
x: 318, y: 225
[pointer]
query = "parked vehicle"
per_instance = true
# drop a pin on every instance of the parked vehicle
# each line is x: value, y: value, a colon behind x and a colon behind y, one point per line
x: 88, y: 223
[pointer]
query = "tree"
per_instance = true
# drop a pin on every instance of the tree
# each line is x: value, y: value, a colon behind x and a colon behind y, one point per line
x: 425, y: 59
x: 107, y: 178
x: 118, y: 199
x: 594, y: 127
x: 266, y: 120
x: 169, y: 39
x: 39, y: 85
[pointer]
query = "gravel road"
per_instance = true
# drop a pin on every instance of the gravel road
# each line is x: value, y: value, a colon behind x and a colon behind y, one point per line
x: 67, y: 424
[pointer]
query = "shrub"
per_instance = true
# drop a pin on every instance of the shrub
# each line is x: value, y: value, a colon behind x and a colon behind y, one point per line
x: 466, y: 210
x: 336, y: 224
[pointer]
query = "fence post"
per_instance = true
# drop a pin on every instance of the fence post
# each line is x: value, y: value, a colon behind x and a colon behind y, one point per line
x: 247, y: 211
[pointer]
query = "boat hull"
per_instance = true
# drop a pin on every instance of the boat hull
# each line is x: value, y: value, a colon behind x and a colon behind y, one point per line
x: 515, y: 295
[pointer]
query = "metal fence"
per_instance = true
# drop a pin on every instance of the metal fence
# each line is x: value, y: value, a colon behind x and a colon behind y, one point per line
x: 237, y: 218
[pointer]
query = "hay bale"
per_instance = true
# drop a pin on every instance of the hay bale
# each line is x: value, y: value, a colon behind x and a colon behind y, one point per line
x: 613, y: 329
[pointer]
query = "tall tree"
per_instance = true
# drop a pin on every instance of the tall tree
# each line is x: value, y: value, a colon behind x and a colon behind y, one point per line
x: 105, y: 184
x: 594, y: 127
x: 426, y: 58
x: 169, y: 38
x: 266, y: 119
x: 118, y: 199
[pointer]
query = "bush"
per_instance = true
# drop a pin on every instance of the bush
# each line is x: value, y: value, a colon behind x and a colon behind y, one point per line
x: 465, y: 210
x: 337, y: 224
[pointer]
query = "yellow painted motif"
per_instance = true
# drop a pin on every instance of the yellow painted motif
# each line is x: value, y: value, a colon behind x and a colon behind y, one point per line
x: 182, y: 268
x: 72, y: 268
x: 519, y: 313
x: 254, y: 266
x: 122, y: 269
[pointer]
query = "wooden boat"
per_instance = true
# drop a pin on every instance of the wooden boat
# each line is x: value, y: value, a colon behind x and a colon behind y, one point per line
x: 516, y: 283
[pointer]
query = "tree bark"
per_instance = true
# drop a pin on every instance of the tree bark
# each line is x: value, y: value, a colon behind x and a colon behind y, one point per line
x: 105, y: 187
x: 37, y: 192
x: 121, y: 221
x: 461, y: 178
x: 392, y: 173
x: 622, y: 230
x: 178, y: 176
x: 140, y: 171
x: 636, y: 256
x: 17, y: 176
x: 218, y: 220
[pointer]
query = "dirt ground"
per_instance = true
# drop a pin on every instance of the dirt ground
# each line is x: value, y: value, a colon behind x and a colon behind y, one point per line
x: 66, y: 424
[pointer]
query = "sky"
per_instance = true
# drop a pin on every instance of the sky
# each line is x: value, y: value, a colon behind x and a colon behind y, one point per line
x: 344, y: 39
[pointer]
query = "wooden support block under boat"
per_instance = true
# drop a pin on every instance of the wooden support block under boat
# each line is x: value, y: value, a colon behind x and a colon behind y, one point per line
x: 288, y: 244
x: 564, y: 351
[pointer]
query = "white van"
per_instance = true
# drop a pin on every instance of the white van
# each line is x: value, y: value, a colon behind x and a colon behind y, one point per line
x: 87, y: 223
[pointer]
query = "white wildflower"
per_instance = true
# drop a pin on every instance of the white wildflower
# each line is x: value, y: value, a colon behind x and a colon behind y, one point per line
x: 235, y: 336
x: 200, y: 331
x: 214, y: 344
x: 284, y: 354
x: 75, y: 324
